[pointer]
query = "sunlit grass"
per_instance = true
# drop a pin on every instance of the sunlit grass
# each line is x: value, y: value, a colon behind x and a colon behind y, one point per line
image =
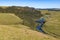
x: 52, y: 26
x: 18, y: 31
x: 8, y: 32
x: 9, y: 18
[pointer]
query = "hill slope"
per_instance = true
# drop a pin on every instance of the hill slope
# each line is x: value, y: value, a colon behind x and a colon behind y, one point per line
x: 52, y: 26
x: 9, y: 32
x: 9, y: 18
x: 18, y: 31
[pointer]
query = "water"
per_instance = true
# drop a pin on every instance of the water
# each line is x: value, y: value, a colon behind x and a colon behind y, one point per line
x: 39, y: 28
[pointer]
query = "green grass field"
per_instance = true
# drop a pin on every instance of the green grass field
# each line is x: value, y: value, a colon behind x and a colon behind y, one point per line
x: 18, y: 32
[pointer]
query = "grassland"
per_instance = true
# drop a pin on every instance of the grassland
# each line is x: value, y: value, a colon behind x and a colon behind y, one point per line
x: 8, y: 18
x: 52, y: 26
x: 9, y: 32
x: 18, y: 31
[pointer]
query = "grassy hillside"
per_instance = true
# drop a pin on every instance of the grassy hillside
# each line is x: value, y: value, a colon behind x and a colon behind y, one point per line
x: 28, y: 14
x: 52, y: 26
x: 8, y: 18
x: 12, y: 32
x: 12, y: 17
x: 18, y: 32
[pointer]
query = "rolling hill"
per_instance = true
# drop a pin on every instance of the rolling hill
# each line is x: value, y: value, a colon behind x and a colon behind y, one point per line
x: 52, y: 26
x: 9, y: 18
x: 12, y: 18
x: 9, y: 32
x: 18, y: 31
